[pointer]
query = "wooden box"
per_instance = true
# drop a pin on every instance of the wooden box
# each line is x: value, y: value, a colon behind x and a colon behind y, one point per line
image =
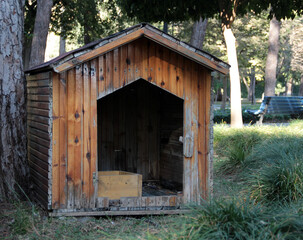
x: 117, y: 184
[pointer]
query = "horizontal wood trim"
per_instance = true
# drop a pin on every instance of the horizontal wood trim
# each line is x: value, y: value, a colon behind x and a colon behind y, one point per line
x: 38, y: 83
x: 118, y: 213
x: 38, y: 147
x: 40, y: 98
x: 184, y: 51
x: 40, y: 105
x: 38, y: 154
x: 40, y: 119
x: 39, y: 90
x: 37, y: 111
x: 98, y: 51
x: 35, y: 160
x: 39, y: 76
x: 40, y: 200
x: 39, y: 140
x: 40, y: 180
x: 37, y: 167
x: 40, y: 126
x: 40, y: 192
x: 38, y: 133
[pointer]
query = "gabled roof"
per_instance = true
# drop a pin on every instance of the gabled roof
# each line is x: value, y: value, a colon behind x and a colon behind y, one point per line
x: 87, y: 52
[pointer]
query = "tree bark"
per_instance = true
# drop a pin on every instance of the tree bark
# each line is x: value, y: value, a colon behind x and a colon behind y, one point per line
x: 40, y: 32
x: 252, y: 87
x: 301, y: 86
x: 235, y: 87
x: 165, y: 27
x: 288, y: 88
x: 272, y: 57
x: 224, y: 97
x: 62, y: 45
x: 13, y: 159
x: 198, y: 33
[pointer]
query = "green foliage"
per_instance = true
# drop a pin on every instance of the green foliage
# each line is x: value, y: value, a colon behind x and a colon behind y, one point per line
x: 21, y: 220
x: 231, y: 219
x: 276, y: 169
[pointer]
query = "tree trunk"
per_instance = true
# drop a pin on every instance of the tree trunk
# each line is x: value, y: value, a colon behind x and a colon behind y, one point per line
x: 13, y: 159
x: 224, y: 97
x: 288, y: 88
x: 165, y: 27
x: 301, y: 86
x: 252, y: 87
x: 235, y: 87
x: 247, y: 87
x: 26, y: 53
x: 62, y: 45
x: 198, y: 33
x: 272, y: 57
x: 40, y: 32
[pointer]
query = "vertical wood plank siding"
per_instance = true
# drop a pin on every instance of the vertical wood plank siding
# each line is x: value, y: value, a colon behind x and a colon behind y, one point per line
x: 75, y: 119
x: 39, y: 134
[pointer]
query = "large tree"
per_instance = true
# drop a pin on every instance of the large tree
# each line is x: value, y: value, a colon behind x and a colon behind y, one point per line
x: 41, y: 27
x: 198, y: 33
x: 272, y: 57
x: 13, y: 161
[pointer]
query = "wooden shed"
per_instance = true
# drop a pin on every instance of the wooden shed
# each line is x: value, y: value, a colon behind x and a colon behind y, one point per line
x: 122, y: 126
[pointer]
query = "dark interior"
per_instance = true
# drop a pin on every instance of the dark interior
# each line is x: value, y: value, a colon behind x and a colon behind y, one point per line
x: 139, y: 130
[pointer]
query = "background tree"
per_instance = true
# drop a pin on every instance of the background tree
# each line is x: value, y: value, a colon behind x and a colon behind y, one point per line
x: 198, y: 33
x: 272, y: 57
x: 41, y: 27
x: 13, y: 159
x: 297, y: 44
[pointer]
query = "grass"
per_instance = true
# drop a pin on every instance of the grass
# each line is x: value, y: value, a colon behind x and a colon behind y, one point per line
x: 258, y: 186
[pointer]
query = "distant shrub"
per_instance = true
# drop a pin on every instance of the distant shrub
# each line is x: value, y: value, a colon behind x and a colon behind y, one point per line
x: 224, y: 117
x: 222, y: 219
x: 275, y: 170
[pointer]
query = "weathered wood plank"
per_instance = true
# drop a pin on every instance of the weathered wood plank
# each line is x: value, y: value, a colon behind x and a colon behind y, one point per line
x: 194, y: 125
x: 39, y: 83
x: 40, y: 119
x: 78, y: 155
x: 188, y: 135
x: 38, y: 111
x: 63, y: 139
x: 159, y: 66
x: 38, y: 147
x: 42, y: 164
x: 138, y: 59
x: 86, y: 136
x: 118, y: 213
x: 40, y: 105
x: 93, y: 135
x: 38, y: 76
x: 39, y: 90
x: 40, y: 134
x: 109, y: 72
x: 56, y: 143
x: 130, y: 62
x: 123, y: 65
x: 166, y: 69
x: 102, y: 75
x: 39, y: 126
x: 40, y: 98
x: 70, y: 136
x: 144, y: 62
x: 116, y: 69
x: 151, y: 62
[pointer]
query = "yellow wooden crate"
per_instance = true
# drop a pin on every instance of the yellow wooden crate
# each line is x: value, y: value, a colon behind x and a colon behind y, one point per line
x: 117, y: 184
